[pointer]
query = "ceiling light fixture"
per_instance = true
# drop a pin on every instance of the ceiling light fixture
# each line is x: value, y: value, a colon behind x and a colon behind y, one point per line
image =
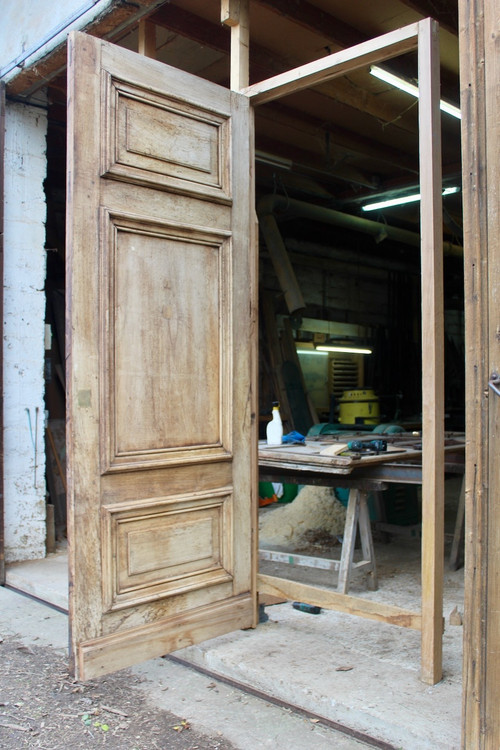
x: 410, y: 88
x: 343, y: 349
x: 403, y: 199
x: 312, y: 351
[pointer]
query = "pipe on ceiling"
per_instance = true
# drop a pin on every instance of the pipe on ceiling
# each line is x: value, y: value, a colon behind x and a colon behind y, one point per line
x: 290, y: 208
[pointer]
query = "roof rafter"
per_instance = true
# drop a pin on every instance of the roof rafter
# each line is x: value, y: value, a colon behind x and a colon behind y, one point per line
x: 264, y: 64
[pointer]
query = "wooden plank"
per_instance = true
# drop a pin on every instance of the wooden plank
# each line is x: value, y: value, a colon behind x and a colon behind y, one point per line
x: 2, y: 172
x: 60, y: 469
x: 456, y: 554
x: 265, y: 63
x: 230, y: 12
x: 352, y: 605
x: 365, y: 533
x: 290, y: 354
x: 292, y: 558
x: 349, y: 541
x: 147, y: 39
x: 445, y: 15
x: 432, y: 352
x: 234, y: 13
x: 480, y: 78
x: 332, y: 66
x: 492, y: 549
x: 275, y: 357
x: 164, y: 635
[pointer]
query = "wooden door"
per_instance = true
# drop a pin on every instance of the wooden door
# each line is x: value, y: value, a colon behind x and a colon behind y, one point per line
x: 161, y: 355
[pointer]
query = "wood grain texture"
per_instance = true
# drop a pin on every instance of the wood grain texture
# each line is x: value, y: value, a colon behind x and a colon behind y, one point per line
x: 99, y: 657
x: 235, y: 13
x: 294, y: 591
x: 2, y: 177
x: 432, y: 352
x: 480, y: 77
x: 146, y: 44
x: 161, y: 279
x: 337, y: 64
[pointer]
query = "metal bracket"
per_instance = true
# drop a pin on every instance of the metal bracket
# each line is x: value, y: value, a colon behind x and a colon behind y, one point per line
x: 494, y: 382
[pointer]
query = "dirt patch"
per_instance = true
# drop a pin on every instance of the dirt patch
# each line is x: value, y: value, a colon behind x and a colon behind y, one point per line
x: 42, y: 706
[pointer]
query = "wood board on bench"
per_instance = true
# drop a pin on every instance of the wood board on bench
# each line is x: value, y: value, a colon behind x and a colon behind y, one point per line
x: 401, y: 447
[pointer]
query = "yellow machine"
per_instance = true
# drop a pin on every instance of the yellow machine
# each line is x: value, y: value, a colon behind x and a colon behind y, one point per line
x: 359, y: 407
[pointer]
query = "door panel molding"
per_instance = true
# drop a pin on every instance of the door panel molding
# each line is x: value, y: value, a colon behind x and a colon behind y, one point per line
x: 95, y: 658
x: 165, y: 547
x: 151, y: 433
x: 162, y: 141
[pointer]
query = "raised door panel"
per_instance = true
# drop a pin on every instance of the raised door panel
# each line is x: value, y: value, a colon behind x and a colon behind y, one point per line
x: 166, y: 387
x: 161, y: 406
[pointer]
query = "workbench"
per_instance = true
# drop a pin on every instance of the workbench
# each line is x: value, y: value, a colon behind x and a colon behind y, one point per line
x: 361, y: 474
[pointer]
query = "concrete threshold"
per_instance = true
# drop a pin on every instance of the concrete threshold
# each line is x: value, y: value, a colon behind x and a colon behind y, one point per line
x: 357, y: 674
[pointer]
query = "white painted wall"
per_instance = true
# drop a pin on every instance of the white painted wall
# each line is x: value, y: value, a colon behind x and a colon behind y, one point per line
x: 29, y: 29
x: 24, y: 314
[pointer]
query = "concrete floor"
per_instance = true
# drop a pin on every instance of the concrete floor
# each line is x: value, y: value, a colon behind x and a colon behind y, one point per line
x: 356, y: 672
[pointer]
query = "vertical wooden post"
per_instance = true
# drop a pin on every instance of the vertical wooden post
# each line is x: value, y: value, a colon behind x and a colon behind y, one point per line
x: 480, y: 84
x: 234, y: 13
x: 2, y: 168
x: 147, y: 39
x: 432, y: 353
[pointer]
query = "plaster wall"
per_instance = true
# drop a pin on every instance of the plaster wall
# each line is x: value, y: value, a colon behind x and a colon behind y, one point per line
x: 29, y: 30
x: 23, y: 332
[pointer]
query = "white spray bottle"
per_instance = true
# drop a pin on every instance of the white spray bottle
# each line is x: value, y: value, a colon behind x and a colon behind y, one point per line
x: 274, y: 429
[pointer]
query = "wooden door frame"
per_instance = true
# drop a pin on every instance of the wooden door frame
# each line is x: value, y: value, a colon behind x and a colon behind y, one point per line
x: 479, y: 92
x: 423, y: 37
x: 2, y: 209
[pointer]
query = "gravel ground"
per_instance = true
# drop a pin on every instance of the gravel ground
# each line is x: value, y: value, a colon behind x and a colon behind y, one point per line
x: 42, y: 706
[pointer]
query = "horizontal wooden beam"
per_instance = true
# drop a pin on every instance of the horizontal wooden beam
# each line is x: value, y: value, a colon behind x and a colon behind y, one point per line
x: 447, y: 17
x: 314, y: 19
x: 352, y: 605
x: 265, y: 63
x: 340, y: 34
x: 284, y: 116
x: 339, y: 63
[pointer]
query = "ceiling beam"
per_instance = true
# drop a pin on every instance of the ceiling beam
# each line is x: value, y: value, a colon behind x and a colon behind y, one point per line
x: 264, y: 64
x: 343, y: 35
x: 314, y: 19
x: 346, y: 139
x: 445, y: 12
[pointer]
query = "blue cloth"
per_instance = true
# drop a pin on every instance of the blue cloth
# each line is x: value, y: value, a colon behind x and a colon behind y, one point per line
x: 294, y: 437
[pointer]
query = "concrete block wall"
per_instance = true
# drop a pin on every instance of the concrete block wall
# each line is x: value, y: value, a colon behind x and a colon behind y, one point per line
x: 23, y: 334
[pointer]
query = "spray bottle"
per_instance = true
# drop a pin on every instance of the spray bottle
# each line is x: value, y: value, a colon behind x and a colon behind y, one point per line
x: 274, y: 430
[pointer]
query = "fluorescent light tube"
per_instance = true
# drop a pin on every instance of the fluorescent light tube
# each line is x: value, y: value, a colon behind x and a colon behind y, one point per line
x: 342, y: 349
x: 410, y: 88
x: 312, y: 351
x: 403, y: 199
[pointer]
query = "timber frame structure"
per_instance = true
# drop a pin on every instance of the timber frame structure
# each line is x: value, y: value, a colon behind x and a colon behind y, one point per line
x: 421, y: 36
x: 480, y: 83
